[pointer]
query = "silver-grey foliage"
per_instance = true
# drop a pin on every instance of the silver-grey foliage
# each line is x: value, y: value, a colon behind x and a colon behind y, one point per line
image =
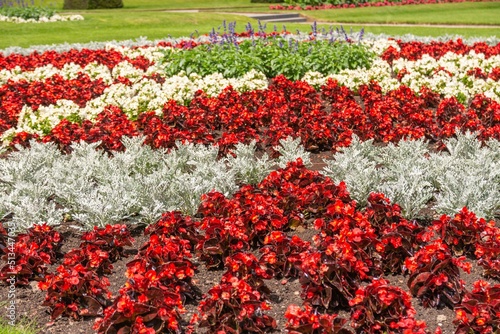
x: 356, y: 166
x: 467, y: 175
x: 248, y: 168
x: 26, y: 193
x: 290, y: 150
x: 41, y: 184
x: 406, y: 175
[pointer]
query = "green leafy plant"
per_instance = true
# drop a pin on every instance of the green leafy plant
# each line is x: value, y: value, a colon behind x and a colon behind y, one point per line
x: 27, y: 12
x: 272, y: 57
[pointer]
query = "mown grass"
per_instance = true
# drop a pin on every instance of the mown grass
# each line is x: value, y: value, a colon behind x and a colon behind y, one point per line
x: 22, y: 326
x: 170, y: 4
x: 148, y: 19
x: 420, y: 31
x: 113, y: 25
x: 466, y: 13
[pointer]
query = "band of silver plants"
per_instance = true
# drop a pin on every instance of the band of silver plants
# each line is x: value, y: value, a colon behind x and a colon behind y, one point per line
x: 41, y: 184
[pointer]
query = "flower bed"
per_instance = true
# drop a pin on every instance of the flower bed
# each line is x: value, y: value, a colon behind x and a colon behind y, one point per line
x: 306, y: 5
x: 43, y: 19
x: 206, y: 167
x: 27, y: 13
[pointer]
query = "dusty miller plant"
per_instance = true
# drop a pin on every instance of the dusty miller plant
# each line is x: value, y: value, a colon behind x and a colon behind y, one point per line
x: 405, y: 173
x: 290, y: 150
x: 137, y: 185
x: 469, y: 175
x: 356, y: 166
x: 247, y: 167
x: 26, y: 194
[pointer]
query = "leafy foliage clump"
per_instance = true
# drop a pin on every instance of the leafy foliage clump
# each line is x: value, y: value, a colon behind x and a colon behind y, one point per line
x: 277, y: 56
x: 29, y: 12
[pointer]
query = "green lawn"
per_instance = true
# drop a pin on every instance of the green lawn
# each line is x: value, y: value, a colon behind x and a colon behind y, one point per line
x: 8, y: 329
x: 171, y: 4
x: 426, y: 31
x: 23, y: 326
x: 114, y: 25
x: 145, y: 18
x: 483, y: 13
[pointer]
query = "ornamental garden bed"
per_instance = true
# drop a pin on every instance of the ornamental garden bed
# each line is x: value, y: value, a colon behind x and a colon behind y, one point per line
x: 118, y: 142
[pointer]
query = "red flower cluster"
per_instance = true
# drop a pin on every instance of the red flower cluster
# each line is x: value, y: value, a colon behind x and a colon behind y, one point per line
x: 308, y: 321
x: 467, y: 235
x: 364, y: 4
x: 434, y: 275
x: 488, y: 250
x: 79, y: 287
x: 281, y: 252
x: 109, y: 58
x: 30, y: 253
x: 397, y: 238
x: 109, y: 128
x: 479, y: 73
x: 414, y: 50
x: 382, y: 308
x: 461, y: 233
x: 235, y: 306
x: 159, y: 282
x: 479, y: 310
x: 242, y: 294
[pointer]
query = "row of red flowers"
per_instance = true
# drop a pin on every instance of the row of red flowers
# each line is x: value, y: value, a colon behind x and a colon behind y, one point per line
x: 414, y: 50
x: 324, y: 119
x: 365, y: 4
x: 351, y: 247
x: 110, y: 58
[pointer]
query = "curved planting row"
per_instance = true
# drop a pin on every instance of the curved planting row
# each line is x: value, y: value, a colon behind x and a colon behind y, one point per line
x: 338, y: 4
x: 414, y: 50
x: 57, y: 97
x: 343, y: 269
x: 324, y: 120
x: 109, y: 58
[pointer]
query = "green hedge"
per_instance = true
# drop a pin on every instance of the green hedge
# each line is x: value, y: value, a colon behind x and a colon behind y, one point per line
x: 266, y: 1
x: 92, y: 4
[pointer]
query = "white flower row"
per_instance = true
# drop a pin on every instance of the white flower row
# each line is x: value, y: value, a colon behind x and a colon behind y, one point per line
x: 153, y: 53
x: 380, y: 45
x: 447, y: 76
x: 53, y: 18
x: 71, y: 70
x: 420, y: 73
x: 143, y: 95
